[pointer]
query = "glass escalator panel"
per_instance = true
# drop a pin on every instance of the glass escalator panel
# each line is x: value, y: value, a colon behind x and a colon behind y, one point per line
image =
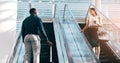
x: 71, y: 43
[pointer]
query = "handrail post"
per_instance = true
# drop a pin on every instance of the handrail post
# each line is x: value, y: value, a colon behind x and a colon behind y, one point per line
x: 53, y: 10
x: 64, y: 10
x: 51, y: 54
x: 30, y: 4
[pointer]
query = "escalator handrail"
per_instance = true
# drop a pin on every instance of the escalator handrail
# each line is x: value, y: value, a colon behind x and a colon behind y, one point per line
x: 15, y: 46
x: 54, y: 13
x: 14, y: 50
x: 55, y: 17
x: 78, y: 25
x: 65, y: 43
x: 75, y: 21
x: 69, y: 52
x: 65, y: 58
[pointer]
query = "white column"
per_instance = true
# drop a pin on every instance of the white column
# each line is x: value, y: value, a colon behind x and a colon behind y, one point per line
x: 30, y: 3
x: 53, y: 10
x: 92, y: 2
x: 98, y: 4
x: 40, y: 1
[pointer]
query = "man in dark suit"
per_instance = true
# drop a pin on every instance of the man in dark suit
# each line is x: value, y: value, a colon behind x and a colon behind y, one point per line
x: 32, y: 32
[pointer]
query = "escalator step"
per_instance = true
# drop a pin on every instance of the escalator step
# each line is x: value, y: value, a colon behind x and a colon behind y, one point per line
x: 45, y: 49
x: 105, y: 60
x: 47, y: 57
x: 44, y: 60
x: 44, y: 54
x: 103, y: 57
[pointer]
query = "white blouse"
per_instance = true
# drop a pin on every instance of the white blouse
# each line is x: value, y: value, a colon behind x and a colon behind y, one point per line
x: 93, y: 21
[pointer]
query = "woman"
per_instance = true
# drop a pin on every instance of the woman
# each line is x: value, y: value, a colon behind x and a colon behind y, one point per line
x: 91, y: 28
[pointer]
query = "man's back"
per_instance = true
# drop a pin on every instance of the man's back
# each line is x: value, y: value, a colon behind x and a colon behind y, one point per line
x: 30, y: 25
x: 32, y: 28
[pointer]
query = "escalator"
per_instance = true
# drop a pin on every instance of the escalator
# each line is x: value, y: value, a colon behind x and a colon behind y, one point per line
x: 109, y: 49
x: 72, y: 46
x: 45, y: 49
x: 107, y: 55
x: 19, y: 50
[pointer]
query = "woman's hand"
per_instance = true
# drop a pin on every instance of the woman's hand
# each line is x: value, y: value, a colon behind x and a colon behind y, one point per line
x: 82, y: 30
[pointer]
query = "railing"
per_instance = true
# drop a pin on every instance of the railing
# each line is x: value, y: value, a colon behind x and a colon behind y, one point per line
x: 68, y: 33
x: 113, y: 32
x: 62, y: 54
x: 16, y: 51
x: 53, y: 16
x: 75, y: 22
x: 18, y: 46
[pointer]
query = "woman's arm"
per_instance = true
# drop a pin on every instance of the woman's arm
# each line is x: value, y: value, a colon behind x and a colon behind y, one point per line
x: 99, y: 22
x: 86, y: 26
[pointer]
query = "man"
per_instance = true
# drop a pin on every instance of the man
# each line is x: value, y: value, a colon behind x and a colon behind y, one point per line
x: 32, y: 31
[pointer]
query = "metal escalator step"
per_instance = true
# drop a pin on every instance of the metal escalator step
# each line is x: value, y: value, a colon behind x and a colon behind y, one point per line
x: 44, y: 50
x: 44, y: 44
x: 44, y: 53
x: 102, y: 53
x: 103, y: 57
x: 105, y: 60
x: 44, y: 47
x: 47, y: 57
x: 44, y: 61
x: 44, y: 57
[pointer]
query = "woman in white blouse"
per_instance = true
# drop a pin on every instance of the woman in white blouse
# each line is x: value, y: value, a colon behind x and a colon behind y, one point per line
x: 91, y: 28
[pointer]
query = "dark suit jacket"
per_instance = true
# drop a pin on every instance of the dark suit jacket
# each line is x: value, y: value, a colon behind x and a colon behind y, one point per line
x: 33, y: 25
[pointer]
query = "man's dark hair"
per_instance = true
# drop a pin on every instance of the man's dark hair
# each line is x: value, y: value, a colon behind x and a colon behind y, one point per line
x: 32, y: 11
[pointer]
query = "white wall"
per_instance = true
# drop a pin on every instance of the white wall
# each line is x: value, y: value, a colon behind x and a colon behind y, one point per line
x: 8, y: 10
x: 111, y: 8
